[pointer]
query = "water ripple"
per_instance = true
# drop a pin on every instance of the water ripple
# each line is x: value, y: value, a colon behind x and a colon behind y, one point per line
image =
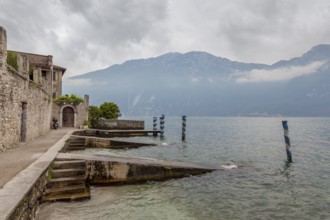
x: 266, y: 188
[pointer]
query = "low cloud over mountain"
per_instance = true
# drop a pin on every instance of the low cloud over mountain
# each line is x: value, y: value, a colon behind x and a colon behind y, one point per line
x: 198, y: 83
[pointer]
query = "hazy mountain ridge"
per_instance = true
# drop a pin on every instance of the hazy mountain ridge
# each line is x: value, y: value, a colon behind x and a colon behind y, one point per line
x: 198, y: 83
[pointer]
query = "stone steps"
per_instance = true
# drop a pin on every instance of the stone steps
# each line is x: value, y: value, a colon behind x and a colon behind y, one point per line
x: 64, y: 190
x: 68, y: 181
x: 68, y: 164
x: 75, y: 148
x: 69, y: 196
x: 76, y: 144
x: 68, y: 172
x: 77, y: 140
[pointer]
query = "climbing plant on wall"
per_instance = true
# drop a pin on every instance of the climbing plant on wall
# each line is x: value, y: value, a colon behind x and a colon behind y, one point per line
x: 73, y: 98
x: 12, y: 59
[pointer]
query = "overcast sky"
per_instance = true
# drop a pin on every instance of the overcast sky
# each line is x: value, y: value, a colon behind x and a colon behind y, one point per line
x: 86, y: 35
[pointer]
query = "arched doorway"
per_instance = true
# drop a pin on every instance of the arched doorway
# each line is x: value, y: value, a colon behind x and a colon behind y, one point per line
x: 68, y: 117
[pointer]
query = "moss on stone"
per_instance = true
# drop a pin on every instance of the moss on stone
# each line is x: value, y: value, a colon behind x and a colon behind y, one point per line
x: 12, y: 59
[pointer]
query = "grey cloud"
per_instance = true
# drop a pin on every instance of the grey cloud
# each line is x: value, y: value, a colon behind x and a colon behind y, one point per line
x: 87, y: 35
x: 280, y: 74
x: 119, y: 20
x: 79, y: 33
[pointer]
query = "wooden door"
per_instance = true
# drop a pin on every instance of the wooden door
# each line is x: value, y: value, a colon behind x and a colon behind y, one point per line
x: 68, y: 117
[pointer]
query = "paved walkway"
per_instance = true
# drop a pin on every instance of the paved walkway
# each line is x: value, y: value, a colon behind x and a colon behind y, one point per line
x: 17, y: 159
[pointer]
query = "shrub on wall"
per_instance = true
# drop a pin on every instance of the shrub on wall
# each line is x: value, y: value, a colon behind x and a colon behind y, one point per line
x: 69, y: 99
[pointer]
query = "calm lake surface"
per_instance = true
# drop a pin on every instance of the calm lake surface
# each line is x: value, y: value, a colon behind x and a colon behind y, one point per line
x: 265, y: 189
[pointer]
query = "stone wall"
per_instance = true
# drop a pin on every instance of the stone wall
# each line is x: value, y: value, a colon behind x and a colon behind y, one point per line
x: 80, y: 111
x: 24, y: 108
x: 111, y: 124
x: 27, y: 208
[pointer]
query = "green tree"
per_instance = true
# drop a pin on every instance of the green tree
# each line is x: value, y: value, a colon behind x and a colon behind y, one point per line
x: 109, y: 110
x: 93, y: 112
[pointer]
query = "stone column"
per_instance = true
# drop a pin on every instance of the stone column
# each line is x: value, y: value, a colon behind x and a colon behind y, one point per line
x: 3, y: 49
x: 86, y: 101
x: 23, y: 65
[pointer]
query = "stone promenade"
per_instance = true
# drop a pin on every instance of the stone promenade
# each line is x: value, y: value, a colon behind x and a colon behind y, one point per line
x: 17, y: 159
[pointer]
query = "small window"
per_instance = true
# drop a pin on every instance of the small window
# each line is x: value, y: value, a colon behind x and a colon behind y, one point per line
x: 54, y: 95
x: 31, y: 76
x: 44, y: 73
x: 54, y: 76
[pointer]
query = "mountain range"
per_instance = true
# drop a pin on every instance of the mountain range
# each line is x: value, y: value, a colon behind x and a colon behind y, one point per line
x: 201, y: 84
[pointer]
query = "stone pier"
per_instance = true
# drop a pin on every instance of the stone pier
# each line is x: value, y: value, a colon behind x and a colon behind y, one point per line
x: 112, y: 170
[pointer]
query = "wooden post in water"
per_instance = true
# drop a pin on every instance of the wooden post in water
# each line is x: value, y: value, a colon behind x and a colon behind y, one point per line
x: 287, y: 141
x: 162, y: 125
x: 155, y: 126
x: 184, y: 128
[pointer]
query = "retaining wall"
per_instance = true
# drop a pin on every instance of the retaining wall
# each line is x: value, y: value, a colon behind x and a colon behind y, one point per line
x: 27, y: 207
x: 111, y: 124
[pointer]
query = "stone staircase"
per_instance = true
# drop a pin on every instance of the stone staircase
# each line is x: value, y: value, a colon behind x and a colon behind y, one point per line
x: 68, y: 181
x: 76, y: 144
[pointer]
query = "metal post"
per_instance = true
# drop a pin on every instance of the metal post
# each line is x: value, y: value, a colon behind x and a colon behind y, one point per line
x: 162, y: 125
x: 184, y: 128
x: 287, y: 140
x: 155, y: 126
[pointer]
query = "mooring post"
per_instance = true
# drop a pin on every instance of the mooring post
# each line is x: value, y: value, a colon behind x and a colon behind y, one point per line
x: 162, y: 125
x: 155, y: 126
x: 287, y: 141
x: 183, y: 127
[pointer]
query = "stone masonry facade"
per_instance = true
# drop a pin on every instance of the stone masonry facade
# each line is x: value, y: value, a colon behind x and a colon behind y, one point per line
x: 26, y: 96
x: 24, y: 108
x: 80, y: 111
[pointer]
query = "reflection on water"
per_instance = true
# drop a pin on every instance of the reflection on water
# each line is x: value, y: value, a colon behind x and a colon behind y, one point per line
x: 266, y: 188
x: 287, y: 172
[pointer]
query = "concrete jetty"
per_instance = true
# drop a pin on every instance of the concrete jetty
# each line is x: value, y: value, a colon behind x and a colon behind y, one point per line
x: 110, y: 170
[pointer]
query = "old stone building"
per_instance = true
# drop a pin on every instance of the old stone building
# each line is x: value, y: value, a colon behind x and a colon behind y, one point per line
x: 71, y: 114
x: 28, y: 85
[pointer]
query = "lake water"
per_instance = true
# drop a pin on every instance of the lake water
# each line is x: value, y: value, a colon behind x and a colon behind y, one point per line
x: 265, y: 189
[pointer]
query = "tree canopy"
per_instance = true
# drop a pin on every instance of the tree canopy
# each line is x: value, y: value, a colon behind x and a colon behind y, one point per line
x: 108, y: 110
